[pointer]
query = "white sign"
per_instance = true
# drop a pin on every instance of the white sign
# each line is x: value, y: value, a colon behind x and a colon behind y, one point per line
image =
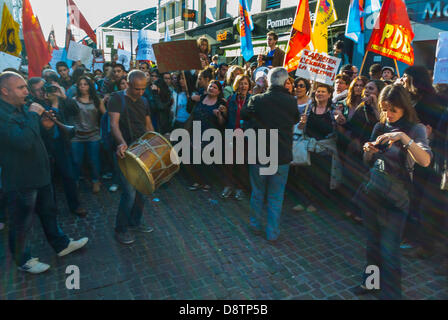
x: 146, y: 38
x: 124, y: 58
x: 56, y: 57
x: 79, y: 52
x: 441, y: 65
x: 9, y: 61
x: 318, y: 67
x: 442, y: 46
x: 441, y: 71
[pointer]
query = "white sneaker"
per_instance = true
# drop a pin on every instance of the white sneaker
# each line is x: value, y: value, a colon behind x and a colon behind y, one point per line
x: 311, y: 209
x: 298, y: 207
x: 73, y: 246
x: 113, y: 188
x: 34, y: 266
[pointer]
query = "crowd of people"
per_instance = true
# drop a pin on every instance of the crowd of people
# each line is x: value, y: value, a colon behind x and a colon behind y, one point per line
x: 381, y: 147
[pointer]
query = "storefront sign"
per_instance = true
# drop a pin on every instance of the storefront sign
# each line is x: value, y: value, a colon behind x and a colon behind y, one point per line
x: 189, y: 15
x: 435, y: 10
x: 224, y: 35
x: 318, y: 67
x: 273, y: 24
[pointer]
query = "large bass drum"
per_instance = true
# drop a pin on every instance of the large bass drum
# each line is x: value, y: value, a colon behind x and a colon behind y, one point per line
x: 148, y: 164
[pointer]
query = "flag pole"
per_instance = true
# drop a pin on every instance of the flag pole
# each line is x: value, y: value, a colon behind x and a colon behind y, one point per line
x: 396, y: 66
x: 363, y: 62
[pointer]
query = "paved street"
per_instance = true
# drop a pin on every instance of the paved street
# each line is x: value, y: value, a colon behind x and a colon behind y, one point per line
x: 201, y: 249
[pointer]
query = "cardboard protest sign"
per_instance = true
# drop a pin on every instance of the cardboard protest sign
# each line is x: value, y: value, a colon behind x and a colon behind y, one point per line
x: 441, y: 65
x: 9, y: 61
x: 124, y: 57
x: 177, y: 56
x: 79, y: 52
x: 146, y: 38
x: 318, y: 67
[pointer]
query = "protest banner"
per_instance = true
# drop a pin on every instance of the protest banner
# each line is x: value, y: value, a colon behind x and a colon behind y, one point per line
x: 56, y: 56
x: 441, y: 65
x: 124, y: 57
x: 9, y: 61
x: 177, y: 56
x: 146, y: 39
x: 318, y: 67
x: 79, y: 52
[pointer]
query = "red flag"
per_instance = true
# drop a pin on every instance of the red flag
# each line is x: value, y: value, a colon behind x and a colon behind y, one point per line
x: 300, y: 35
x: 36, y: 46
x: 77, y: 20
x: 393, y: 33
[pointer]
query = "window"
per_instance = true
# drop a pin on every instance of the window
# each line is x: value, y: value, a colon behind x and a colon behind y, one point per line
x: 272, y: 4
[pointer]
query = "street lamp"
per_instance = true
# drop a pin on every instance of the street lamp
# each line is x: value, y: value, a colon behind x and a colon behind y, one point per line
x: 129, y: 20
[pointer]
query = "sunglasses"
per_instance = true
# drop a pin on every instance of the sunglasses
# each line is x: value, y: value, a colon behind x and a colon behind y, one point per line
x: 301, y: 86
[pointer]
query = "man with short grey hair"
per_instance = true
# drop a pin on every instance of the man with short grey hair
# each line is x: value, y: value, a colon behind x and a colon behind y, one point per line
x: 274, y: 110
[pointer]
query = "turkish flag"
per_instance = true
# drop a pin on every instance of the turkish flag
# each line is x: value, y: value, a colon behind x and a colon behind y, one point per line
x: 77, y: 20
x: 393, y: 35
x: 35, y: 43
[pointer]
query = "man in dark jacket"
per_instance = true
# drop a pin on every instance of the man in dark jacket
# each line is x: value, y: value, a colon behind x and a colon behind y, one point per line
x: 26, y: 176
x: 275, y: 111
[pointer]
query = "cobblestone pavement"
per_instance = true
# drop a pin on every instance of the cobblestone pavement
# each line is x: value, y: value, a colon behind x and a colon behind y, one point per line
x: 201, y: 249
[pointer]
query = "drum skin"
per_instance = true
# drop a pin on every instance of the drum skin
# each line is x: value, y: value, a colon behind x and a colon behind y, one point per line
x: 147, y: 164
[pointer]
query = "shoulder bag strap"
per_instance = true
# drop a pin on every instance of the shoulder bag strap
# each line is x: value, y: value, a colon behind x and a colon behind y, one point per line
x: 125, y: 109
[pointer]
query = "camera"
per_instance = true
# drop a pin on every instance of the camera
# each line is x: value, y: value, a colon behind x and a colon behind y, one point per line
x: 50, y: 88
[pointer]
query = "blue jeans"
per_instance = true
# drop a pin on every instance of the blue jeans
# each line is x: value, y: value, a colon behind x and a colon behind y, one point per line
x: 271, y: 188
x: 130, y: 210
x: 62, y: 162
x: 384, y: 227
x: 93, y: 153
x: 21, y: 206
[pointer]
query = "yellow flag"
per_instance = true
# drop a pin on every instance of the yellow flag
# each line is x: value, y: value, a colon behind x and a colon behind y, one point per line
x: 9, y: 34
x: 325, y: 16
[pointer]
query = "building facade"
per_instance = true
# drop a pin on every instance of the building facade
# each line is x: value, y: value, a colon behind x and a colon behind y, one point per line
x: 218, y: 19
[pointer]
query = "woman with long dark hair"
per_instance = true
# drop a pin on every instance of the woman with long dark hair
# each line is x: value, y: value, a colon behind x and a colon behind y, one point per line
x: 183, y: 105
x: 349, y: 146
x: 211, y: 112
x: 398, y: 142
x: 161, y: 89
x: 87, y: 139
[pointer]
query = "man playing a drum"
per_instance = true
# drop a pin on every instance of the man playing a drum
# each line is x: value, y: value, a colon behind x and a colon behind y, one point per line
x: 130, y: 119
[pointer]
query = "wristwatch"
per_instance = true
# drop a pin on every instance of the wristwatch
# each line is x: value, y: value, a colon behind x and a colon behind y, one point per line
x: 410, y: 143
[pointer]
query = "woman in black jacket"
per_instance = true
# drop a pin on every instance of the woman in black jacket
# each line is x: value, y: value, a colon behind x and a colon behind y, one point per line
x: 398, y: 142
x: 418, y: 82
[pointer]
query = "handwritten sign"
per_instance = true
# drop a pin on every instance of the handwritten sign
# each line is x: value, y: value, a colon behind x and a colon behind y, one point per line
x: 9, y: 61
x: 318, y: 67
x: 124, y: 57
x: 146, y: 39
x: 79, y: 52
x: 177, y: 56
